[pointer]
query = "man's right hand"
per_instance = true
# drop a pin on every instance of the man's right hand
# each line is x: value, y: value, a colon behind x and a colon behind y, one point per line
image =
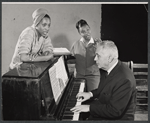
x: 83, y: 96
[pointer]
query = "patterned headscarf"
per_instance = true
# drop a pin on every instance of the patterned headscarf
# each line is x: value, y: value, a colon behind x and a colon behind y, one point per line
x: 38, y: 15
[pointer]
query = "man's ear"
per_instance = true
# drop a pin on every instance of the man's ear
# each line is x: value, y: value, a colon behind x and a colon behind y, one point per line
x: 110, y: 59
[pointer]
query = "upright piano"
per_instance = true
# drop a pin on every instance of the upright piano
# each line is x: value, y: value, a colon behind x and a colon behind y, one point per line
x: 40, y: 91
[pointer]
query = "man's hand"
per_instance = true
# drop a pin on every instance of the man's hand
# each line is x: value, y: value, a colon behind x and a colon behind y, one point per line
x: 83, y: 96
x: 97, y: 40
x: 81, y: 108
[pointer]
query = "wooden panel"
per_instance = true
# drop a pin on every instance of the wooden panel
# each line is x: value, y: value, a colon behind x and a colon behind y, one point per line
x: 141, y: 72
x: 140, y: 76
x: 143, y: 109
x: 21, y: 99
x: 142, y: 94
x: 135, y: 65
x: 142, y: 100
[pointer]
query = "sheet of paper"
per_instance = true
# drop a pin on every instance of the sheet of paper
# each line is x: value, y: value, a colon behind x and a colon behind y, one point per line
x: 61, y: 73
x: 61, y: 51
x: 54, y: 83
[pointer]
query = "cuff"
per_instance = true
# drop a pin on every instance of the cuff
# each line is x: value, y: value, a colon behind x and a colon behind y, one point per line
x: 91, y: 94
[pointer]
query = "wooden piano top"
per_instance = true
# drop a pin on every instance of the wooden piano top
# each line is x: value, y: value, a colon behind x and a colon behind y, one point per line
x: 30, y: 70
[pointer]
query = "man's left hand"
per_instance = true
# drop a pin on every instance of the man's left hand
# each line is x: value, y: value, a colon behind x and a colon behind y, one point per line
x: 81, y: 108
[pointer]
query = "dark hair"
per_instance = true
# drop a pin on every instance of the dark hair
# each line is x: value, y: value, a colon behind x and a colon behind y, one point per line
x: 47, y: 16
x: 81, y: 23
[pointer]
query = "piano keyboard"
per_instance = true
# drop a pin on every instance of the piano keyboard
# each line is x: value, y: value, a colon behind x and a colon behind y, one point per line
x: 72, y: 101
x: 76, y: 115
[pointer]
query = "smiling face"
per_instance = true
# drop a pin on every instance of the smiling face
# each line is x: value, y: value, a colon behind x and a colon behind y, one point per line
x: 85, y: 32
x: 44, y: 26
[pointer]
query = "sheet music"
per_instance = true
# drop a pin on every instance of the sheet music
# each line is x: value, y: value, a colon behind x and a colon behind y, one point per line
x: 61, y: 73
x: 54, y: 83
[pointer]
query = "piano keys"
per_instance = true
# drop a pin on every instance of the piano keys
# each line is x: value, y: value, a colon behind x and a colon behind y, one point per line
x: 27, y: 92
x: 78, y: 86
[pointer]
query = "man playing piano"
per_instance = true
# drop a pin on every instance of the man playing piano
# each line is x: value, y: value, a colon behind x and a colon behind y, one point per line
x: 115, y: 98
x: 34, y: 44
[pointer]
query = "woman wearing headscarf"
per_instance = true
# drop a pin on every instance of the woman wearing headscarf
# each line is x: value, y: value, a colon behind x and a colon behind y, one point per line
x: 34, y: 44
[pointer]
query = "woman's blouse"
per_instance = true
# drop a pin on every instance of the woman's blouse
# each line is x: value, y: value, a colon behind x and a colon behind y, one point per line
x: 84, y: 57
x: 29, y: 43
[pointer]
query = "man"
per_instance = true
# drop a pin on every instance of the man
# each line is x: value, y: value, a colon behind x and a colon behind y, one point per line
x: 84, y: 52
x: 115, y: 98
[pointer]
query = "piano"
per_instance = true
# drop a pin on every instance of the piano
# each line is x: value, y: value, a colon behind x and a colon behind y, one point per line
x: 30, y: 91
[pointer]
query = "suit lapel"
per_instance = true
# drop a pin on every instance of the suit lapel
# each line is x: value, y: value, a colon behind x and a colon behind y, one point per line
x: 104, y: 82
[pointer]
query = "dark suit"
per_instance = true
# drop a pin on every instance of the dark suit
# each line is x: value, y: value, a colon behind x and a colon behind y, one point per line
x: 116, y: 95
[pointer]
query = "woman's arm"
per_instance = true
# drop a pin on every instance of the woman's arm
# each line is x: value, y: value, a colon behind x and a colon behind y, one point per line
x: 44, y: 57
x: 36, y: 57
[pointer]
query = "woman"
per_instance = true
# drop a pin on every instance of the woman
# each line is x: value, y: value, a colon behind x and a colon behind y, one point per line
x: 34, y: 44
x: 84, y: 52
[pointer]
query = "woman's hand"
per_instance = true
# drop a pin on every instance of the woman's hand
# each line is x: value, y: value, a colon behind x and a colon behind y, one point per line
x: 33, y: 56
x: 46, y: 53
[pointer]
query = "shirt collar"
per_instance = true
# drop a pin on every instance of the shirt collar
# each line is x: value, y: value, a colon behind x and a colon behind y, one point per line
x: 110, y: 69
x: 91, y: 40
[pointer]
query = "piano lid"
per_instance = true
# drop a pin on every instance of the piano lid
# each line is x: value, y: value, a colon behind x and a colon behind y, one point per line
x: 30, y: 70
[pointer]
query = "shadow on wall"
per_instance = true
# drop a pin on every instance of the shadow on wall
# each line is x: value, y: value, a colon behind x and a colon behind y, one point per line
x: 61, y: 40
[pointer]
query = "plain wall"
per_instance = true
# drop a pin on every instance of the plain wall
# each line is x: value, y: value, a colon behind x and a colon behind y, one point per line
x: 16, y: 17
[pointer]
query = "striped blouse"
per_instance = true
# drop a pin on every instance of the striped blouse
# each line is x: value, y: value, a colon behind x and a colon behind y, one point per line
x: 29, y: 43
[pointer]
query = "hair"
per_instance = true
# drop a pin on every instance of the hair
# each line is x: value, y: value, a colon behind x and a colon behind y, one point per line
x: 81, y: 23
x: 47, y: 16
x: 109, y: 47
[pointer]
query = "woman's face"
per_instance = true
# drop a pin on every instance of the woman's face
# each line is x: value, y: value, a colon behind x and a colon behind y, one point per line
x: 85, y: 32
x: 44, y: 26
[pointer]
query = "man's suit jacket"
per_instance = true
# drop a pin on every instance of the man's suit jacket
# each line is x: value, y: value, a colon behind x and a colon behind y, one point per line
x: 116, y: 95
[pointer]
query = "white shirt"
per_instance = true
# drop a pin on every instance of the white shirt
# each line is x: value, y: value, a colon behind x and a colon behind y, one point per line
x: 91, y: 40
x: 110, y: 69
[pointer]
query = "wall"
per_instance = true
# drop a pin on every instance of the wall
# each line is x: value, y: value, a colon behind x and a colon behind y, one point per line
x: 128, y: 28
x: 16, y: 17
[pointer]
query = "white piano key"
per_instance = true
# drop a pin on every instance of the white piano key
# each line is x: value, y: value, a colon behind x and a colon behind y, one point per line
x: 76, y: 115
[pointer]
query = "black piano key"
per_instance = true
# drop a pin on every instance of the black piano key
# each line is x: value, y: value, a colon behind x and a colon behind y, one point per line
x: 70, y: 104
x: 76, y: 87
x: 67, y: 109
x: 68, y: 112
x: 67, y: 117
x: 74, y: 94
x: 73, y: 100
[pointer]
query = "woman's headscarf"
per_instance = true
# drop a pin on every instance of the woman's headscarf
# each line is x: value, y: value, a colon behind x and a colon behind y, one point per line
x: 38, y: 15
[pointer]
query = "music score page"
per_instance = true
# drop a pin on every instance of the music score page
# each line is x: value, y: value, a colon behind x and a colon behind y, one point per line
x: 54, y: 83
